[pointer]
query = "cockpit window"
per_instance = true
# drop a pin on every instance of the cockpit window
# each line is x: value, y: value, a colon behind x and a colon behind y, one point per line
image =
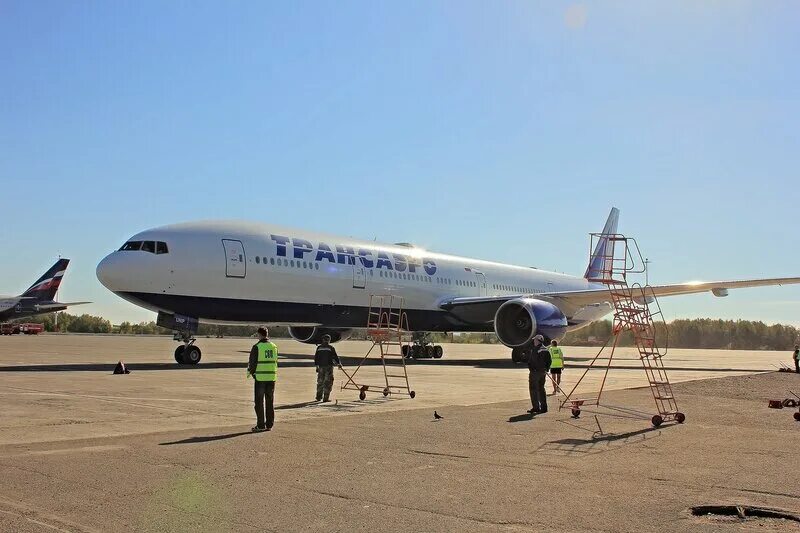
x: 149, y: 246
x: 131, y: 246
x: 161, y: 248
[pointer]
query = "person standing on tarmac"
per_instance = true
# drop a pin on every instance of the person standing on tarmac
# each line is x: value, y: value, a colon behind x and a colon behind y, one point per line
x: 796, y: 357
x: 324, y: 359
x: 263, y: 366
x: 556, y: 364
x: 538, y: 365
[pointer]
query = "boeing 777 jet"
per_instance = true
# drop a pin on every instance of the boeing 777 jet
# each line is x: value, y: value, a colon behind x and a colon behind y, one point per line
x: 246, y: 272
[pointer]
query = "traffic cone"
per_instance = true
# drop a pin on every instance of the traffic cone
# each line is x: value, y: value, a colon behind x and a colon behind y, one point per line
x: 121, y: 369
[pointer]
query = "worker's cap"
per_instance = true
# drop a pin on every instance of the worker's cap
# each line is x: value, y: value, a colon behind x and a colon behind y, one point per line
x: 326, y: 337
x: 264, y: 332
x: 539, y: 338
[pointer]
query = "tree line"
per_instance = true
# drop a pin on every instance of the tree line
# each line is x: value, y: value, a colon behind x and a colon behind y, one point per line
x: 698, y: 333
x: 682, y: 333
x: 85, y: 323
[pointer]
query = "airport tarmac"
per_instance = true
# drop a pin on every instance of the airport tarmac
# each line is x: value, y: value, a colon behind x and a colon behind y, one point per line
x: 168, y: 448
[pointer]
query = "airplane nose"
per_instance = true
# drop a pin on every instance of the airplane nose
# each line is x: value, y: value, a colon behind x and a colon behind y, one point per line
x: 108, y: 272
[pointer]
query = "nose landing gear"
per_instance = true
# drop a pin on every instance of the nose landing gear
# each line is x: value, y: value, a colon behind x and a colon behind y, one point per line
x: 188, y: 353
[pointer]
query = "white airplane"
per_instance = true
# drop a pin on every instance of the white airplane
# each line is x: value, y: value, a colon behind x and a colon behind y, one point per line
x: 240, y: 272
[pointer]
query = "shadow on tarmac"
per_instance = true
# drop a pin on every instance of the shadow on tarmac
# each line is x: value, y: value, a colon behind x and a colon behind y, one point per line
x: 302, y: 360
x: 611, y: 437
x: 521, y: 418
x: 209, y: 438
x: 298, y: 405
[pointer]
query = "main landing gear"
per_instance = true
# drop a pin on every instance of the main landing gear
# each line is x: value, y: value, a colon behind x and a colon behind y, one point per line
x: 188, y: 353
x: 419, y: 351
x: 422, y: 347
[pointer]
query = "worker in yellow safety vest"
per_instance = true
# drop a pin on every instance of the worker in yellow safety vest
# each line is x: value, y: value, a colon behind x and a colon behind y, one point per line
x: 556, y: 365
x: 263, y: 366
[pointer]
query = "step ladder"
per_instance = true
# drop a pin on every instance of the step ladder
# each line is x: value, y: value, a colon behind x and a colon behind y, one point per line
x: 387, y: 328
x: 636, y: 310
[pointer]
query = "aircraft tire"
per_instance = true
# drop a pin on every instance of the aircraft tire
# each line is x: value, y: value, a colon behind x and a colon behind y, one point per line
x: 192, y: 355
x: 516, y: 355
x: 179, y: 354
x: 438, y: 352
x: 429, y: 351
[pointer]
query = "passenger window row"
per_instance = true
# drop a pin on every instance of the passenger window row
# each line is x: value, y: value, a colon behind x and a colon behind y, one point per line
x: 403, y: 275
x: 287, y: 263
x: 310, y: 265
x: 153, y: 247
x: 512, y: 288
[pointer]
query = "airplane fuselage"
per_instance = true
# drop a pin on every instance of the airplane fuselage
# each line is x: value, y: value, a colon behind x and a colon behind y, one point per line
x: 238, y: 272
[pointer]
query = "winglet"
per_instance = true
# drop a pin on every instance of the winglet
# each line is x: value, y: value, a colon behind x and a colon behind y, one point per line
x: 600, y: 254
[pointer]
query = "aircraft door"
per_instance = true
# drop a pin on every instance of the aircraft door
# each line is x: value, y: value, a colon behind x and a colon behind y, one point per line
x: 235, y: 259
x: 359, y: 277
x: 481, y: 280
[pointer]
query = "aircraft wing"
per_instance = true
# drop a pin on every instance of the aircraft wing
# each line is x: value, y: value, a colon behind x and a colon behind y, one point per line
x: 57, y: 305
x: 482, y: 308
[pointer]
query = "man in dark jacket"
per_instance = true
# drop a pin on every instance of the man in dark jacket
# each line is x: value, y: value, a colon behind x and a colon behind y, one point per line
x: 796, y: 357
x: 538, y: 365
x: 324, y: 359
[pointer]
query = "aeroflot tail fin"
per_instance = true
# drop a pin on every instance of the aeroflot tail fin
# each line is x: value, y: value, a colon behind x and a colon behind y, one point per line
x: 601, y: 252
x: 46, y: 287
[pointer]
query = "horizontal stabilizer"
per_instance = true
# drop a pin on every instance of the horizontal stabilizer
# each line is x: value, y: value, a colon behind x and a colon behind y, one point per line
x: 57, y: 305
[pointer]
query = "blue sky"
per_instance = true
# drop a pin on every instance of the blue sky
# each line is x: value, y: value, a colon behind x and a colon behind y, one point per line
x: 502, y: 131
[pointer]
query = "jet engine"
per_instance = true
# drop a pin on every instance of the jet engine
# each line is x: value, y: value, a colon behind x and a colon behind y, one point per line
x: 313, y: 335
x: 518, y: 321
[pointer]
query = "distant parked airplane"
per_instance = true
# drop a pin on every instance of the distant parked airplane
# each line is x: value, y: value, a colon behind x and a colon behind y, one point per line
x: 38, y: 298
x: 240, y: 272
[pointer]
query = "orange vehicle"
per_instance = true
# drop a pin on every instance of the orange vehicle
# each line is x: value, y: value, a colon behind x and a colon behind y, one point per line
x: 15, y: 329
x: 31, y: 329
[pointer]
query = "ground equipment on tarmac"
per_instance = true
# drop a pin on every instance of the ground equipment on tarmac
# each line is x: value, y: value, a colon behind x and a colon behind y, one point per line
x: 636, y: 310
x: 387, y: 327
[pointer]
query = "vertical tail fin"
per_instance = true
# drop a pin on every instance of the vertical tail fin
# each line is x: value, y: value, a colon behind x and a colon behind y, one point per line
x: 46, y: 287
x: 600, y: 260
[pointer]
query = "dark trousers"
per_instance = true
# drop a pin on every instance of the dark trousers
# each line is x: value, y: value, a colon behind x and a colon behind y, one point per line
x: 797, y: 365
x: 264, y: 398
x: 536, y: 387
x: 324, y: 382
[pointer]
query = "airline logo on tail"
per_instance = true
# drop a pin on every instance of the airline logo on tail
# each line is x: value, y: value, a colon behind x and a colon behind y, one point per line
x: 45, y: 287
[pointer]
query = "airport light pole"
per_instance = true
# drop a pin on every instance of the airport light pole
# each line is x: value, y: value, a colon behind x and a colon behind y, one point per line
x: 646, y: 271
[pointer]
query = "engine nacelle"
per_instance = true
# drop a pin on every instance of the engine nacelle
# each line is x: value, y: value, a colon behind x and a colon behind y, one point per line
x: 313, y: 335
x: 518, y: 321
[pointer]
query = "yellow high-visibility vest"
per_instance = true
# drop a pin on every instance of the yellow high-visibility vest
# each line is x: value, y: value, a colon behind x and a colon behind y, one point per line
x: 267, y: 365
x: 556, y: 357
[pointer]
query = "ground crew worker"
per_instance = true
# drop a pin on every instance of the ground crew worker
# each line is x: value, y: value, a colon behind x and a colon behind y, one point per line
x: 263, y: 366
x: 538, y: 365
x: 796, y: 358
x: 324, y: 359
x: 556, y: 364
